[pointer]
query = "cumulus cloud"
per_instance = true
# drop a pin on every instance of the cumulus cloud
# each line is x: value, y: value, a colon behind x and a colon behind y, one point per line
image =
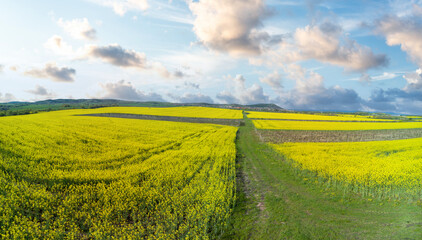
x: 239, y: 93
x: 164, y: 72
x: 328, y: 43
x: 78, y: 28
x: 396, y: 100
x: 116, y: 55
x: 414, y: 80
x: 7, y: 97
x: 404, y: 32
x: 230, y: 26
x: 57, y: 45
x: 41, y: 91
x: 53, y: 72
x: 126, y: 91
x: 273, y: 80
x: 192, y: 98
x: 120, y: 7
x: 310, y: 93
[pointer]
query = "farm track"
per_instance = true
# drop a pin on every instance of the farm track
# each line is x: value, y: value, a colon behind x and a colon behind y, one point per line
x: 273, y: 202
x: 229, y: 122
x: 280, y: 136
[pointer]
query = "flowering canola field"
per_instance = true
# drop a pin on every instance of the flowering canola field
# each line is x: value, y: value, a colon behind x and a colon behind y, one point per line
x: 196, y: 112
x: 379, y: 163
x: 317, y: 125
x: 300, y: 116
x: 80, y: 177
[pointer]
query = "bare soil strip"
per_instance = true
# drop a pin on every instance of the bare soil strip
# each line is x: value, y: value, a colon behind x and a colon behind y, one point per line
x: 317, y: 120
x: 280, y: 136
x: 229, y: 122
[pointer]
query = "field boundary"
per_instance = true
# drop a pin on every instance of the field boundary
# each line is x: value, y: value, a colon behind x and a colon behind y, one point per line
x: 280, y: 136
x: 318, y: 120
x: 221, y: 121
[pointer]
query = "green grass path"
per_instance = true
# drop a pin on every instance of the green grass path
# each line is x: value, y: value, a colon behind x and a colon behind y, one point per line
x: 274, y: 203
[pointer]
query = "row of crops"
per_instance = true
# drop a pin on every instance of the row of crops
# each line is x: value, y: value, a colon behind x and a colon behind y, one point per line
x: 319, y: 125
x: 192, y: 112
x: 64, y: 175
x: 384, y: 168
x: 73, y: 177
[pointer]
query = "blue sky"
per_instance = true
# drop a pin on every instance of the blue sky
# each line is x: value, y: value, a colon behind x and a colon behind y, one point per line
x: 306, y: 55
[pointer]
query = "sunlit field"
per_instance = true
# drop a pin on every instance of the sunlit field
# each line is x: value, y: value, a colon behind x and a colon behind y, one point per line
x: 300, y: 116
x: 196, y: 112
x: 381, y: 164
x: 73, y: 177
x: 319, y: 125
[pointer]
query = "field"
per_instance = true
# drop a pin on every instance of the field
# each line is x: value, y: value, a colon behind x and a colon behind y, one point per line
x: 149, y: 173
x: 369, y: 155
x: 65, y: 176
x: 319, y: 125
x: 196, y: 112
x: 281, y: 136
x: 314, y: 117
x: 379, y: 164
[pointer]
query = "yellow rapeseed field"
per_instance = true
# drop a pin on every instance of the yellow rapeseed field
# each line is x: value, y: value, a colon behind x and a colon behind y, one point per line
x: 300, y: 116
x: 196, y: 112
x: 378, y: 163
x: 320, y: 125
x: 80, y: 177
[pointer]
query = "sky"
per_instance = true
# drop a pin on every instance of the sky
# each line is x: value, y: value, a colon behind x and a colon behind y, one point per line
x: 337, y: 55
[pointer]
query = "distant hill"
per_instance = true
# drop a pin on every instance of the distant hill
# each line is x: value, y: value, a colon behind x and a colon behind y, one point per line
x: 20, y: 108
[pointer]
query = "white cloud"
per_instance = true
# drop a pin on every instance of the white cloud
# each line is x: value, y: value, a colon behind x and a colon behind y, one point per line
x: 78, y: 28
x: 126, y: 91
x: 381, y: 77
x: 230, y: 26
x: 53, y: 72
x: 239, y: 93
x: 385, y: 76
x: 328, y: 43
x: 7, y: 97
x: 404, y: 32
x: 1, y: 68
x: 414, y: 79
x: 192, y: 98
x: 116, y: 55
x: 310, y: 93
x: 273, y: 80
x: 120, y: 7
x: 41, y: 91
x: 57, y: 45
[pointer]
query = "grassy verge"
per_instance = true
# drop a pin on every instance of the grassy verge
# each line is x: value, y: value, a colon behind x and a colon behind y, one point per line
x: 275, y: 203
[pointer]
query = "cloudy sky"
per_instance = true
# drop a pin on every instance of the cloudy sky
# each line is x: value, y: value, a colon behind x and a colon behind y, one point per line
x: 306, y: 55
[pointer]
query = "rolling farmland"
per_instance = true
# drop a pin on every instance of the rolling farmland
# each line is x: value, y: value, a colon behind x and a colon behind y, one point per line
x: 65, y: 176
x: 193, y: 112
x: 314, y: 117
x: 147, y: 173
